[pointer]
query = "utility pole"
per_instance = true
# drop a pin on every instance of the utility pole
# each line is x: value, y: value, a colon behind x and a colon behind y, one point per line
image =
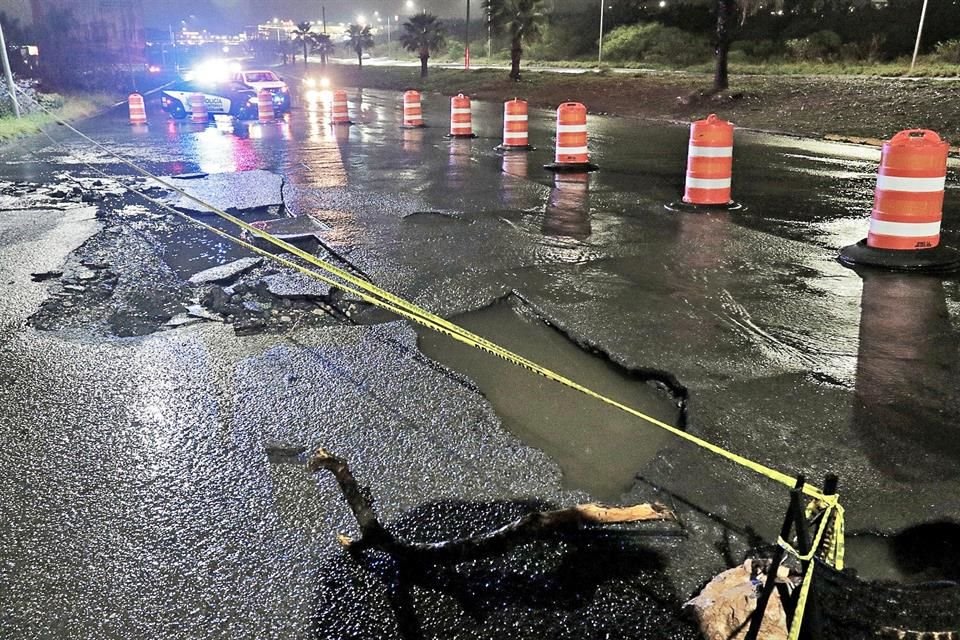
x: 600, y: 47
x: 466, y: 46
x: 323, y: 16
x: 916, y: 47
x: 9, y: 74
x: 489, y: 35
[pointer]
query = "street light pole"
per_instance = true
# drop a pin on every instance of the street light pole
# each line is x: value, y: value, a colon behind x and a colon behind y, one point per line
x: 466, y: 46
x: 600, y: 46
x: 9, y: 74
x: 916, y: 47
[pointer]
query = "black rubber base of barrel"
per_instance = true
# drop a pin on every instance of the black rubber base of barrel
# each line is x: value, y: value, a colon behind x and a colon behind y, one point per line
x: 525, y: 147
x: 702, y: 208
x: 413, y: 126
x: 572, y: 167
x: 467, y: 136
x: 937, y: 260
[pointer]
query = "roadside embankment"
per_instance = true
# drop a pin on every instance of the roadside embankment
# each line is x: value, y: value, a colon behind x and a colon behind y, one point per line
x: 72, y: 107
x: 856, y: 108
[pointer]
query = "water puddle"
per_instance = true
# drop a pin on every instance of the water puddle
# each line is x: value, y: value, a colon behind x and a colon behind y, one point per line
x: 599, y: 448
x: 926, y: 552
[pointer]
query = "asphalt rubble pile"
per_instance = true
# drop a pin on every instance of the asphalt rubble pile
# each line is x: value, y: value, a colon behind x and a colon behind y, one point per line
x: 101, y: 283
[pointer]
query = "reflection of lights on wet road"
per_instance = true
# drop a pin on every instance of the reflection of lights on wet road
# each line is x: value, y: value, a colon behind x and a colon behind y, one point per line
x: 221, y: 151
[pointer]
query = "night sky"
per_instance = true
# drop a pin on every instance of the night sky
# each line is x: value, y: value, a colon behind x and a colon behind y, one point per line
x: 233, y: 15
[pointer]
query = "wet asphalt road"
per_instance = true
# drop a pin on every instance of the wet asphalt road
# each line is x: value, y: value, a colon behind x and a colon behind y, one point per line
x: 138, y: 498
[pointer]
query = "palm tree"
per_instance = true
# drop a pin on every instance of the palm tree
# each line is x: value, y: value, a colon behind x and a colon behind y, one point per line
x: 359, y: 38
x: 422, y: 34
x: 522, y: 19
x: 305, y: 36
x: 323, y: 45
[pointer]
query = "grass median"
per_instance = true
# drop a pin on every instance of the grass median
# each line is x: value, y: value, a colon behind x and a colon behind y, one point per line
x: 854, y: 107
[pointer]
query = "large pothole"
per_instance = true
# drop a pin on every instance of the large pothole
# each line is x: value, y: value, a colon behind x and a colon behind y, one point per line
x: 598, y: 447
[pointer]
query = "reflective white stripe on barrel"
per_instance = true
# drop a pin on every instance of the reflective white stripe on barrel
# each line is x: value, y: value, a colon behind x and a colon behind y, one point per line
x: 571, y: 128
x: 412, y: 105
x: 513, y: 118
x: 914, y: 185
x: 904, y: 229
x: 571, y: 150
x: 710, y: 152
x: 708, y: 183
x: 458, y: 111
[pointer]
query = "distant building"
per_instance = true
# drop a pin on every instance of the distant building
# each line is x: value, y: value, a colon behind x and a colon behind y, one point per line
x: 111, y: 30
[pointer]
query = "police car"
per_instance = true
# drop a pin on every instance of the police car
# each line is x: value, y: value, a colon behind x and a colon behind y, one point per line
x: 260, y: 79
x: 221, y: 98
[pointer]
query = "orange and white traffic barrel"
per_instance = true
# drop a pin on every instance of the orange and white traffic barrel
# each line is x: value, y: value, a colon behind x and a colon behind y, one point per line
x: 198, y: 109
x: 904, y: 232
x: 572, y: 153
x: 709, y: 162
x: 515, y: 133
x: 412, y: 110
x: 339, y: 112
x: 265, y: 106
x: 461, y: 124
x: 138, y: 111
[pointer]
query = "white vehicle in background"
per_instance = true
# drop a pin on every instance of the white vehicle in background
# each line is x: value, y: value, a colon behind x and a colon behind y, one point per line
x: 260, y: 79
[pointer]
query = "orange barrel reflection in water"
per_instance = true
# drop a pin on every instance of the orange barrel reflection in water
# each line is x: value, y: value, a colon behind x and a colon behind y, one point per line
x: 514, y: 167
x: 907, y: 411
x: 411, y: 140
x: 568, y: 210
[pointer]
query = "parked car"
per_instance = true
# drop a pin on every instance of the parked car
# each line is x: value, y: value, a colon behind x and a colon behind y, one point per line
x: 226, y: 98
x: 259, y: 79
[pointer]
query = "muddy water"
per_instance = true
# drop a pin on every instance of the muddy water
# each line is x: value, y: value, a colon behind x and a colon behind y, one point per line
x: 599, y: 448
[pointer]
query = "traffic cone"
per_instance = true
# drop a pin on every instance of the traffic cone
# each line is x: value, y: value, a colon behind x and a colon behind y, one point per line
x: 904, y: 233
x: 412, y: 110
x: 571, y: 153
x: 461, y: 124
x: 340, y: 114
x: 265, y: 106
x: 138, y: 111
x: 709, y: 167
x: 515, y: 133
x: 198, y: 109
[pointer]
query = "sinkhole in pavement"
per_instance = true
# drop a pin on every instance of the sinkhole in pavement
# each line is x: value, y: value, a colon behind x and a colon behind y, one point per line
x: 599, y: 448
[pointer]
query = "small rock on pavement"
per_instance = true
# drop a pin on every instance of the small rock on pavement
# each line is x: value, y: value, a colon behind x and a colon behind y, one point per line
x: 225, y: 272
x: 197, y: 311
x: 249, y: 326
x: 724, y: 607
x: 295, y: 286
x: 46, y: 275
x: 182, y: 320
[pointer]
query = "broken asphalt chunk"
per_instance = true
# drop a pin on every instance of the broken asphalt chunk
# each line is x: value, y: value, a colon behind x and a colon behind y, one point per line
x: 295, y: 286
x: 225, y: 272
x: 241, y: 190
